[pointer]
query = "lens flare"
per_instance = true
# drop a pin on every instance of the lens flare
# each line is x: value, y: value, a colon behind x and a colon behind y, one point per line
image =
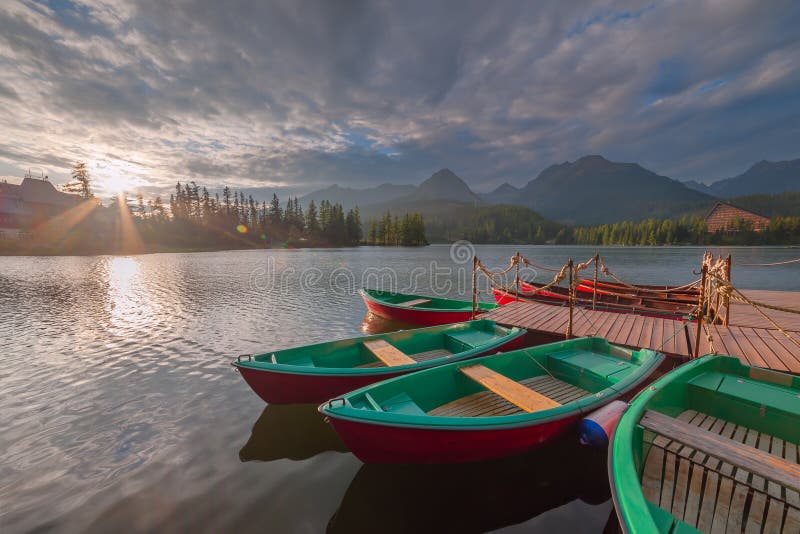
x: 242, y: 229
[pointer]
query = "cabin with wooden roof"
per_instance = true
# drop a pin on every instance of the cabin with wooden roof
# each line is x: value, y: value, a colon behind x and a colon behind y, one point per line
x: 727, y: 218
x: 26, y: 204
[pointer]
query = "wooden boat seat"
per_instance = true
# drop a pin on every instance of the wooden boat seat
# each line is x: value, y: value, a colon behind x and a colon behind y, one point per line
x: 717, y: 476
x: 514, y: 392
x: 414, y: 302
x: 388, y: 354
x: 740, y: 455
x: 487, y: 404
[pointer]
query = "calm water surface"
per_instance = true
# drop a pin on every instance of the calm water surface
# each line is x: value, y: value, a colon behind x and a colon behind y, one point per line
x: 119, y: 409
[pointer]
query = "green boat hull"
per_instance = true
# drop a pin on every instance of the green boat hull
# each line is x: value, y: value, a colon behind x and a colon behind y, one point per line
x: 749, y: 406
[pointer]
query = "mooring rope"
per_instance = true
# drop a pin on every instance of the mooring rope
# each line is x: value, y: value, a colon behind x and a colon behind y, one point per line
x: 737, y: 295
x: 787, y: 262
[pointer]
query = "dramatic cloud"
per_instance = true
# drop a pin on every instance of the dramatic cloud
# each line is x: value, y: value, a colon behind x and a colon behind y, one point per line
x: 295, y: 94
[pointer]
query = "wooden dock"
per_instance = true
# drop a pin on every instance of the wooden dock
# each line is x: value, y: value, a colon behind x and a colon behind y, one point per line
x: 749, y: 337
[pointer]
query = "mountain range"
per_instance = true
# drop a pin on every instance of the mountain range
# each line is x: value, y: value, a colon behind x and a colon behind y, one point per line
x: 590, y: 190
x: 765, y: 177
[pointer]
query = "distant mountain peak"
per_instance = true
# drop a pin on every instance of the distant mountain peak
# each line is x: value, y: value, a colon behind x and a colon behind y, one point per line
x: 592, y: 158
x: 764, y: 177
x: 505, y: 187
x: 445, y: 185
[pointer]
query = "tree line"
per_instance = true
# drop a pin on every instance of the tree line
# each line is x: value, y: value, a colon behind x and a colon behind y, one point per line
x: 684, y: 231
x: 405, y: 231
x: 196, y: 218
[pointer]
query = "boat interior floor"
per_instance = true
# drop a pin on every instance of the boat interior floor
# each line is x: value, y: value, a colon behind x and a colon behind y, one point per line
x: 711, y: 495
x: 487, y: 403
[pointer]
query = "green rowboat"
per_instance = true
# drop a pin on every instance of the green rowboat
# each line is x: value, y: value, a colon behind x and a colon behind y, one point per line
x: 487, y: 407
x: 419, y: 309
x: 710, y: 447
x: 314, y: 373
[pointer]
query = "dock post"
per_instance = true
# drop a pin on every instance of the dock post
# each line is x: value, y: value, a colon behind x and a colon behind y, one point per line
x: 571, y: 301
x: 474, y: 285
x: 727, y: 302
x: 701, y: 311
x: 516, y: 279
x: 596, y: 267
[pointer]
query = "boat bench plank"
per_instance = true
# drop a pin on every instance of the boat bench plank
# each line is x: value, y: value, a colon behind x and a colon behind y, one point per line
x: 387, y: 353
x: 486, y: 403
x: 414, y: 302
x: 514, y: 392
x: 746, y: 457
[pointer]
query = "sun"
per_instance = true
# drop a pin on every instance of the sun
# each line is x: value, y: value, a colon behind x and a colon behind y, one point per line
x: 117, y: 184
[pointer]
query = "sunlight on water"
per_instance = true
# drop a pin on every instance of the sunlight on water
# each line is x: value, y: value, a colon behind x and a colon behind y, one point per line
x: 124, y: 290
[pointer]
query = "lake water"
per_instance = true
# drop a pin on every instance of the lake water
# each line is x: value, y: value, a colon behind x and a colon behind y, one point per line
x: 119, y: 409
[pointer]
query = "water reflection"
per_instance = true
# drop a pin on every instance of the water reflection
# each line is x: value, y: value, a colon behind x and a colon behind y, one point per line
x: 296, y: 432
x: 374, y: 324
x: 474, y: 497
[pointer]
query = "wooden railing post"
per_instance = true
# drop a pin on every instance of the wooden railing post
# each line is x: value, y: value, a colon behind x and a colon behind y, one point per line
x: 727, y: 294
x: 571, y: 300
x: 474, y: 285
x: 596, y: 267
x: 701, y: 310
x: 516, y: 278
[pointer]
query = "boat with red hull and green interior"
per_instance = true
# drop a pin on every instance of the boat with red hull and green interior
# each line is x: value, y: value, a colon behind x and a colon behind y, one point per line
x: 503, y: 297
x: 419, y: 309
x: 488, y: 407
x: 710, y: 447
x: 314, y: 373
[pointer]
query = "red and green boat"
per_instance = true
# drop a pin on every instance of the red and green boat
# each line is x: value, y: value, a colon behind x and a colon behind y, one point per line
x: 710, y: 447
x: 503, y: 297
x: 419, y: 309
x: 314, y: 373
x: 488, y: 407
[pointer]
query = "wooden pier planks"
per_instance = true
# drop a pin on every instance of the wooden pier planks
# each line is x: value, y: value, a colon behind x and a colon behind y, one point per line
x: 760, y: 347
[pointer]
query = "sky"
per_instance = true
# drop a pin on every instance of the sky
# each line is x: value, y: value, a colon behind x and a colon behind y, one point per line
x: 295, y: 95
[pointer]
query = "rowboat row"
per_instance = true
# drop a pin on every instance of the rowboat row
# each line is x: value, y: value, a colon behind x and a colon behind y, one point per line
x: 713, y: 445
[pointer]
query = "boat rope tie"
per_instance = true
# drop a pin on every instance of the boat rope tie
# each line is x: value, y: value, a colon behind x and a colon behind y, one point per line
x: 787, y: 262
x: 529, y: 263
x: 737, y: 295
x: 537, y: 362
x: 675, y: 333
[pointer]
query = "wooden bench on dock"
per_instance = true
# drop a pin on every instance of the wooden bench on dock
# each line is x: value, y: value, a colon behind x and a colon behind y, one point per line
x: 512, y: 391
x: 415, y: 302
x: 388, y: 354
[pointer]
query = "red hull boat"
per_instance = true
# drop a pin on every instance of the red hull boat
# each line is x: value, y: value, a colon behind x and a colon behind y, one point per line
x: 418, y: 309
x: 318, y: 372
x: 487, y: 407
x: 374, y: 444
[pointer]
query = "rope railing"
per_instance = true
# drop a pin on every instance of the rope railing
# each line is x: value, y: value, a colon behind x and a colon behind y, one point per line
x: 773, y: 264
x: 606, y: 271
x: 714, y: 287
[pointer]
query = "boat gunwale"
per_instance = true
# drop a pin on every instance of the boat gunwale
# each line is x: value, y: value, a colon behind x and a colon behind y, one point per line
x: 582, y: 405
x: 513, y: 334
x: 365, y: 293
